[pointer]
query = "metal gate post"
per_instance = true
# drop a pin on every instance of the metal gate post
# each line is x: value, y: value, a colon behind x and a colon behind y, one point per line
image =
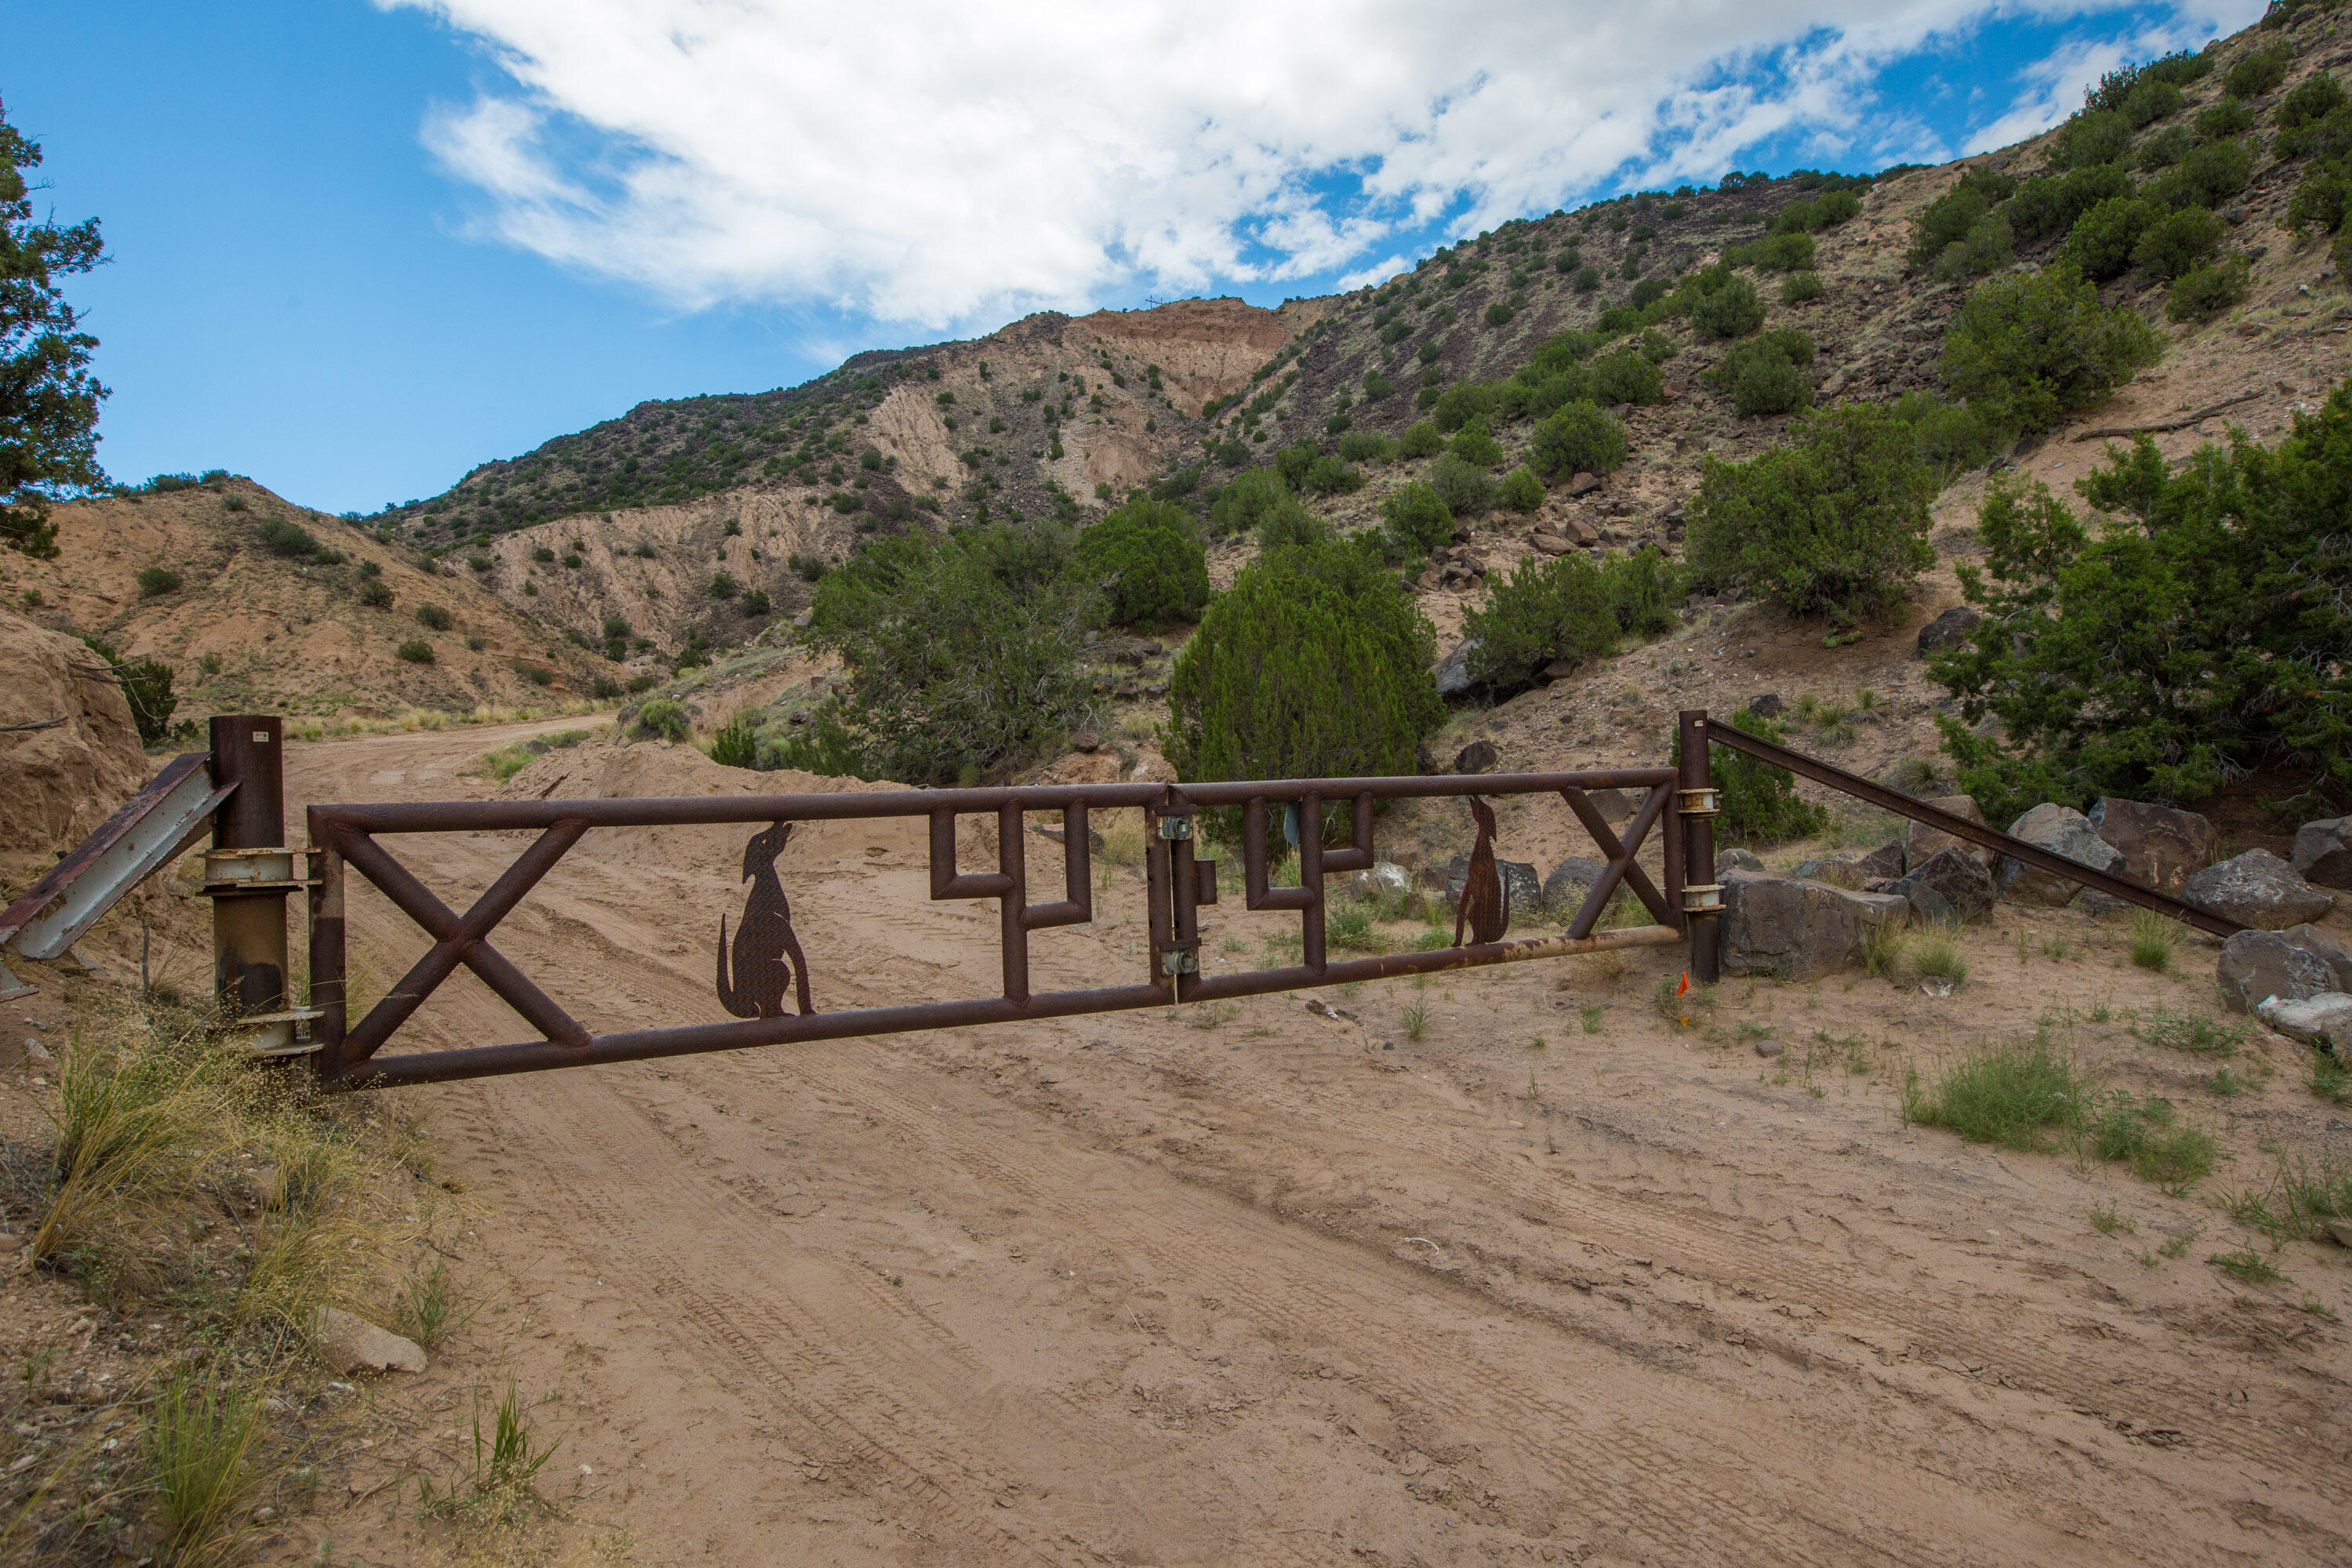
x: 1696, y: 806
x: 250, y: 959
x: 327, y: 961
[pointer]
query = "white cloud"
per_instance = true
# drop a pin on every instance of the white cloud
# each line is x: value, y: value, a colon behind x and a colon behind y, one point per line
x: 938, y: 164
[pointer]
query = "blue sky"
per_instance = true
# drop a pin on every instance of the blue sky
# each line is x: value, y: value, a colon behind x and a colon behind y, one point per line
x: 360, y: 247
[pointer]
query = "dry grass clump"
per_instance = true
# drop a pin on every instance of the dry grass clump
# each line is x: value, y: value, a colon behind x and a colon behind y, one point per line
x: 188, y: 1178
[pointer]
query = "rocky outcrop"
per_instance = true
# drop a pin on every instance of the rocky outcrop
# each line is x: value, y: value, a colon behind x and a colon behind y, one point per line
x: 2161, y: 846
x: 2256, y: 888
x: 1799, y: 929
x: 1520, y: 880
x: 77, y: 756
x: 1948, y: 629
x: 1453, y: 671
x: 352, y: 1344
x: 2323, y: 852
x: 1854, y: 870
x: 1922, y: 843
x: 2062, y: 830
x: 1477, y: 757
x: 1952, y: 884
x: 2325, y: 1020
x: 2259, y: 964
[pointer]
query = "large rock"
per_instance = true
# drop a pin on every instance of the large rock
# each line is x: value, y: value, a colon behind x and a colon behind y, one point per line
x: 2332, y: 953
x: 2256, y: 964
x: 1922, y: 843
x: 1951, y: 884
x: 2325, y: 1020
x: 2323, y: 852
x: 2256, y: 888
x: 1854, y: 870
x: 1453, y: 671
x: 352, y: 1344
x: 1948, y: 629
x: 2160, y: 846
x: 1564, y: 888
x: 65, y: 777
x: 2062, y: 830
x: 1384, y: 878
x: 1477, y: 757
x: 1796, y: 929
x: 1519, y: 880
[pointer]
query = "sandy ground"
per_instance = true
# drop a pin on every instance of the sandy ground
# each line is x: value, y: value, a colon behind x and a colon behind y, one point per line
x: 1254, y: 1286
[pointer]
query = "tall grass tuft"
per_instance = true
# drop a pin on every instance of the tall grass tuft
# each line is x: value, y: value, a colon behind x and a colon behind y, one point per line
x: 2153, y: 939
x: 2015, y: 1096
x: 500, y: 1491
x: 203, y: 1439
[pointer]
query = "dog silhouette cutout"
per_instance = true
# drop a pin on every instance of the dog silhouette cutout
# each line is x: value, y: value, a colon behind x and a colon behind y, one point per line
x: 768, y: 959
x: 1485, y: 906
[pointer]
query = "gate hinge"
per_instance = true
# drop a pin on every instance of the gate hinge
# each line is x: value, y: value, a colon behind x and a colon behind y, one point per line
x: 1175, y: 827
x: 1179, y: 961
x: 1700, y: 801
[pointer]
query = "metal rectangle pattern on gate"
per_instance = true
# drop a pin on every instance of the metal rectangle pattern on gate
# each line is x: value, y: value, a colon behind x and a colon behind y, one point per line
x: 766, y: 966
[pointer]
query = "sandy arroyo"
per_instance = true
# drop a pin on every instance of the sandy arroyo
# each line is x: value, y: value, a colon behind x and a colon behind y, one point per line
x: 1254, y: 1286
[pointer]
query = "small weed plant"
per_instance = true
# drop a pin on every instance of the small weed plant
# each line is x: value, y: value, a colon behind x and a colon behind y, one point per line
x: 499, y: 1492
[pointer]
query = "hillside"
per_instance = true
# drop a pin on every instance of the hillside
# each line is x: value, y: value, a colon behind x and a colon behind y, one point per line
x: 291, y: 628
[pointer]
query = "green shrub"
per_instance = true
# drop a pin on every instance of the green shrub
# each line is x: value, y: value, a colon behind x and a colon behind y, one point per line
x: 755, y: 604
x: 1499, y: 314
x: 2211, y: 174
x: 2026, y: 352
x: 415, y: 650
x: 1835, y: 523
x: 542, y: 554
x: 1627, y: 376
x: 291, y: 540
x: 1775, y: 253
x: 737, y: 743
x: 2149, y: 1135
x: 1291, y: 523
x: 2090, y: 138
x: 1417, y: 519
x: 1312, y: 665
x: 1366, y: 447
x: 1949, y: 219
x: 1421, y: 439
x: 2150, y: 101
x: 1578, y: 438
x: 1586, y: 279
x: 1146, y: 563
x: 432, y: 617
x: 2048, y: 205
x: 2165, y: 149
x: 2147, y: 659
x: 1467, y: 491
x: 375, y: 593
x: 2324, y: 140
x: 1730, y: 309
x: 1546, y: 609
x: 1462, y: 402
x: 2227, y: 118
x: 1520, y: 491
x: 1988, y: 248
x: 723, y: 585
x: 1476, y: 444
x: 1948, y: 436
x: 1252, y: 496
x: 2176, y: 242
x: 661, y: 720
x: 2100, y: 243
x: 155, y: 580
x: 2319, y: 200
x: 2258, y: 71
x: 1766, y: 374
x: 2207, y: 289
x: 962, y: 649
x: 1572, y: 607
x: 1801, y: 288
x: 537, y: 674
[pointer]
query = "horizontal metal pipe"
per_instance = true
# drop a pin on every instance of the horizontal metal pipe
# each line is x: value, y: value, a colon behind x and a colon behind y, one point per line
x: 695, y: 1039
x: 490, y: 1061
x: 1934, y: 816
x: 491, y: 816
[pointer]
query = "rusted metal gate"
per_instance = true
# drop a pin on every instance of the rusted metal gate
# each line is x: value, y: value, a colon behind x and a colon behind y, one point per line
x: 763, y: 978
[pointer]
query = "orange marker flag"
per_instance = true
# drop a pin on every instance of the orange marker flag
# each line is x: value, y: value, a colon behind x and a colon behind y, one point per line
x: 1684, y: 989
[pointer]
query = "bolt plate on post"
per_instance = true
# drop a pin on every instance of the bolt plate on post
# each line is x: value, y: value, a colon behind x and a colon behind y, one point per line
x: 1702, y: 898
x: 1175, y: 827
x: 251, y: 870
x: 1700, y: 801
x: 273, y: 1034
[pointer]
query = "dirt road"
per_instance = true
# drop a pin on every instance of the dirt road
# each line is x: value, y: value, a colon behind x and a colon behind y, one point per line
x: 1551, y: 1282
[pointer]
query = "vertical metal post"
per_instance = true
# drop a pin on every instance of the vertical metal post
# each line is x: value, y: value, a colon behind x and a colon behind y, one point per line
x: 327, y: 961
x: 1697, y: 828
x: 249, y: 956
